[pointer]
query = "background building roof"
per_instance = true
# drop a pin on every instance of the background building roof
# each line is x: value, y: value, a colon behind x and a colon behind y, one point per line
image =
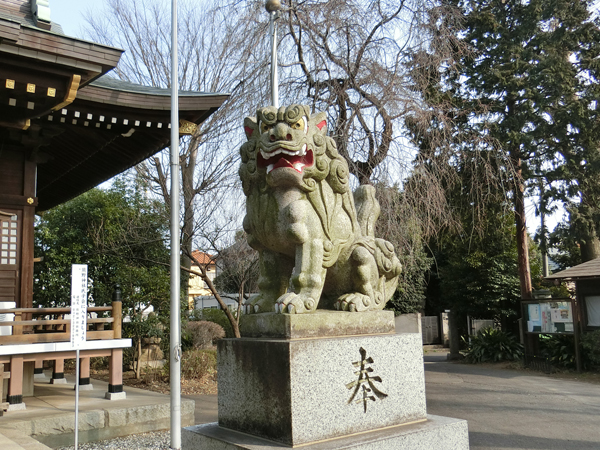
x: 203, y: 258
x: 590, y: 269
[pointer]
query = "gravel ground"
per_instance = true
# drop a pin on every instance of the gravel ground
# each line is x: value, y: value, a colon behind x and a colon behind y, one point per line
x: 160, y: 440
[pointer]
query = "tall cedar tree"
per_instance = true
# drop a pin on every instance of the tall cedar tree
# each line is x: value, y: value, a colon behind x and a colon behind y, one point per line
x: 574, y: 66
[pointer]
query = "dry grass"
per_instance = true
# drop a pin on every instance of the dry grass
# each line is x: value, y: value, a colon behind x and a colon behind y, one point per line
x: 153, y: 381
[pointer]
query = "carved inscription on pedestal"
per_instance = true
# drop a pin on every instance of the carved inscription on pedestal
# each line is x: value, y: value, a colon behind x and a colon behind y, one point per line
x: 364, y: 389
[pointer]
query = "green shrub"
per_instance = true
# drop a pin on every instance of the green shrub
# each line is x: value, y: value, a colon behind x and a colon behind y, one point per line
x: 590, y: 345
x: 493, y: 345
x: 559, y: 350
x: 99, y: 363
x: 195, y: 364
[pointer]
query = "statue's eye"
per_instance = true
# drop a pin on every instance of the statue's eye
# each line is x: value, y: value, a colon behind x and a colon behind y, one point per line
x: 298, y: 125
x: 264, y: 128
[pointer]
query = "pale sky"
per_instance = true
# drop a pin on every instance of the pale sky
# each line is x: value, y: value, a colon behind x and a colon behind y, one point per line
x: 69, y: 14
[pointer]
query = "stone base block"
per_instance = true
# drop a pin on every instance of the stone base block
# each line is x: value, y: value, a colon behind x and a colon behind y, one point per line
x: 319, y: 323
x: 58, y: 381
x: 434, y: 433
x: 16, y: 407
x: 306, y: 390
x: 115, y: 395
x: 85, y: 387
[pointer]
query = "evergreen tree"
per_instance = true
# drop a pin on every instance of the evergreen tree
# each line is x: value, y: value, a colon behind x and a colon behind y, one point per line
x: 523, y: 85
x: 120, y: 235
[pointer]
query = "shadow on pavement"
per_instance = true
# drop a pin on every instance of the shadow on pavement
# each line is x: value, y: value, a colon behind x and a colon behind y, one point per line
x: 503, y: 441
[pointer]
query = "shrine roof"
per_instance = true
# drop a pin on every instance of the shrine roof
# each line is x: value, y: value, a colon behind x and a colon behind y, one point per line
x: 79, y: 125
x: 110, y: 127
x: 24, y: 18
x: 116, y: 84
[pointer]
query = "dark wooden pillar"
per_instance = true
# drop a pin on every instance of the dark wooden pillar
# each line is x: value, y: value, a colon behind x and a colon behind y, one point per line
x: 28, y: 206
x: 17, y: 216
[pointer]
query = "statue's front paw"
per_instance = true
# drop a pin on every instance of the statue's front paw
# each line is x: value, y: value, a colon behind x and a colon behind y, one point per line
x: 292, y: 303
x: 252, y: 309
x: 258, y: 304
x: 353, y: 302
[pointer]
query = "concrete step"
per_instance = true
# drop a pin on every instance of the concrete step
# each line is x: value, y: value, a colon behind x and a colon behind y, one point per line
x: 20, y: 442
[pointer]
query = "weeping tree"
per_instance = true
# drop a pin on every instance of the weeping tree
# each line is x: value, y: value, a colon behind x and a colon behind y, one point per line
x: 348, y: 58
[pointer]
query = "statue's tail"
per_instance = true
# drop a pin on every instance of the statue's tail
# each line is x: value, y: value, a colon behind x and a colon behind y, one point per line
x: 388, y: 265
x: 367, y: 209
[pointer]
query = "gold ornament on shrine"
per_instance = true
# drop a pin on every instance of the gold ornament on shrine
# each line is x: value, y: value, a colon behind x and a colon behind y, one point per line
x: 187, y: 128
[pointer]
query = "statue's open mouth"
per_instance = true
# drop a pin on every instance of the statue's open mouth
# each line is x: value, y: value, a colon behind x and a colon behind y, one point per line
x: 281, y: 158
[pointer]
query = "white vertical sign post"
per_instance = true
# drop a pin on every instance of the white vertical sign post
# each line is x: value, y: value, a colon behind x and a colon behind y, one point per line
x: 79, y: 282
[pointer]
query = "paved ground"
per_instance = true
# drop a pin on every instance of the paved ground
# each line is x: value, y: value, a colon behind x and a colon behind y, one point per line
x: 505, y: 409
x: 509, y: 409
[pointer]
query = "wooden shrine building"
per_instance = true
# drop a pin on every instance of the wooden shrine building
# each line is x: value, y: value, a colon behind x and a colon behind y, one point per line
x: 65, y: 127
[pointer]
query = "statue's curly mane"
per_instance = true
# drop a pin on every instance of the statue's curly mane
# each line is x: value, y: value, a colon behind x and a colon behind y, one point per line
x: 330, y: 170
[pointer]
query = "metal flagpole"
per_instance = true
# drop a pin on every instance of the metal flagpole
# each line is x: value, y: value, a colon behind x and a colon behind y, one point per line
x: 175, y: 346
x: 273, y: 7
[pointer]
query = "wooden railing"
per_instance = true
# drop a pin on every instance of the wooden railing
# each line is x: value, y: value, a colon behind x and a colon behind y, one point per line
x: 49, y: 325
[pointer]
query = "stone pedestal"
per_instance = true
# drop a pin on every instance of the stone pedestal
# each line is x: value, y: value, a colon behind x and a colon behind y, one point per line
x: 294, y: 386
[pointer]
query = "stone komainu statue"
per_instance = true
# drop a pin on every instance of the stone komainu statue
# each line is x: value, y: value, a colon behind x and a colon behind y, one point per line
x: 315, y: 239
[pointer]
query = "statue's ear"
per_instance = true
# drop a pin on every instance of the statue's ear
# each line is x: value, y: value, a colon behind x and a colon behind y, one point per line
x: 250, y: 126
x: 320, y: 121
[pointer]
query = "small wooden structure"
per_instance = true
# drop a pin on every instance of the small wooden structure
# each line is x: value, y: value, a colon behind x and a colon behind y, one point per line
x: 65, y: 127
x: 585, y: 307
x: 586, y: 277
x: 50, y: 339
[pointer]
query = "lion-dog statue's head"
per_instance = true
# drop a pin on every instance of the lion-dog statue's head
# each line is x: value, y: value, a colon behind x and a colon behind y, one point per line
x: 293, y: 140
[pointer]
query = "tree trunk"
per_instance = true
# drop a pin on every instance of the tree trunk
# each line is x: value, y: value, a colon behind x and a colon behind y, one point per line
x: 588, y: 241
x: 138, y: 357
x: 590, y: 249
x: 454, y: 336
x: 521, y: 225
x: 187, y: 231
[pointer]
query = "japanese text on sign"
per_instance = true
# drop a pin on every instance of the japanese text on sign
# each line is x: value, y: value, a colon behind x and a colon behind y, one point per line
x: 79, y: 282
